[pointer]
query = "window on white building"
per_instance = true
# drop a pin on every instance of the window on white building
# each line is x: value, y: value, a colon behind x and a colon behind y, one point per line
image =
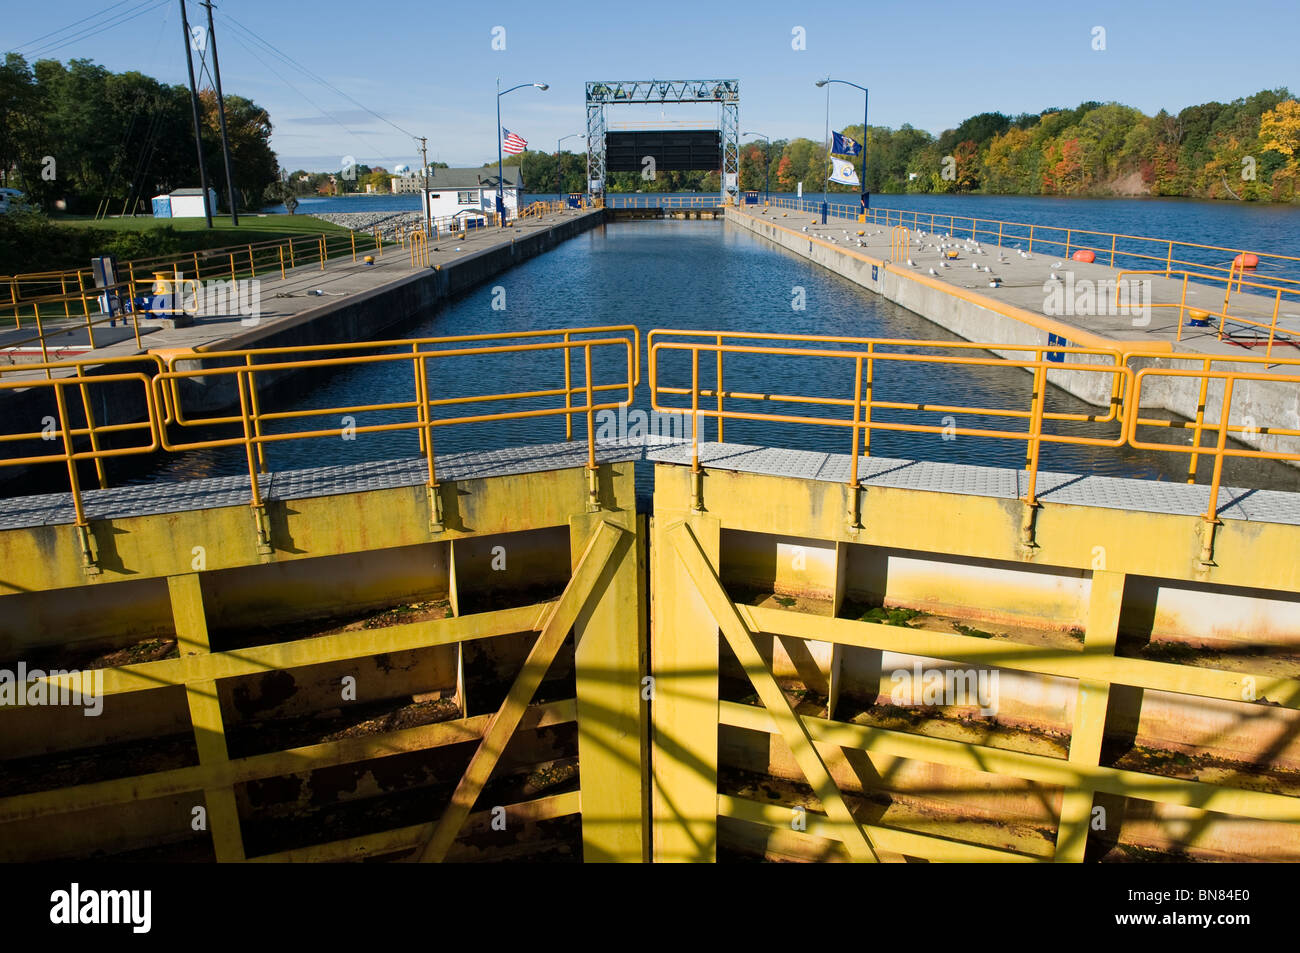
x: 467, y: 198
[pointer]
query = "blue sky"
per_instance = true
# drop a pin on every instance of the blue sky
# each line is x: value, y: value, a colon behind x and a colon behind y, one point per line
x: 433, y: 72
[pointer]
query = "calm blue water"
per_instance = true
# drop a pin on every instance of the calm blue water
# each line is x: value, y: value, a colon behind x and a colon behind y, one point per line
x: 1237, y: 225
x: 674, y: 274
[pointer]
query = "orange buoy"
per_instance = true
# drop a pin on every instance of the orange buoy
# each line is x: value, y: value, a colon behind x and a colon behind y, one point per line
x: 1246, y: 260
x: 1083, y: 254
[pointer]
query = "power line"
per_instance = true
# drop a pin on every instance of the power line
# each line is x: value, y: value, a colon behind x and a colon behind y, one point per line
x: 292, y: 62
x: 125, y: 16
x: 70, y: 25
x: 358, y: 136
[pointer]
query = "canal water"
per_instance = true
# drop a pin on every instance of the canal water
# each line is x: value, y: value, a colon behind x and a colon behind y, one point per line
x: 682, y: 275
x: 1238, y: 225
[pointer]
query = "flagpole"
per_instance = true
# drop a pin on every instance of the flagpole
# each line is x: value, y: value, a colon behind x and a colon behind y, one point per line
x: 501, y: 185
x: 865, y: 96
x: 501, y: 192
x: 863, y: 184
x: 826, y: 183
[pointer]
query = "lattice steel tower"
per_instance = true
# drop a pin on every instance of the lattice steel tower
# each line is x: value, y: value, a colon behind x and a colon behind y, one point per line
x: 724, y: 92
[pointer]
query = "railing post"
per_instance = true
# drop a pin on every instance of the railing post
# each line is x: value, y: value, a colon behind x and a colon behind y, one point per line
x: 568, y: 389
x: 1212, y: 511
x: 719, y: 388
x: 257, y: 412
x: 593, y: 486
x: 1169, y: 260
x: 40, y: 332
x: 89, y: 413
x: 696, y: 478
x: 855, y: 515
x: 871, y: 383
x: 260, y: 523
x: 1113, y: 236
x: 1031, y: 463
x: 252, y: 266
x: 74, y: 485
x: 436, y: 524
x: 1272, y: 328
x: 1200, y: 421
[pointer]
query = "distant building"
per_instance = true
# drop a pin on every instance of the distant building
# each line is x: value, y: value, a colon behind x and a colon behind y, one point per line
x: 452, y: 191
x: 405, y: 184
x: 183, y: 203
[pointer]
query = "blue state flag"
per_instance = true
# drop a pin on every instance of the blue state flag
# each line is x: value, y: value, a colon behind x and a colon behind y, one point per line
x: 844, y: 146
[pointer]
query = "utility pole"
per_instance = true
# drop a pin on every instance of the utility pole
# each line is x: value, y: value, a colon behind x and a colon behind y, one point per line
x: 424, y: 183
x: 221, y: 115
x: 194, y: 103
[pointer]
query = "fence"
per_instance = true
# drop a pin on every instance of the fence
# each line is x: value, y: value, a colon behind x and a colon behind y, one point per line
x: 246, y: 372
x: 1114, y: 248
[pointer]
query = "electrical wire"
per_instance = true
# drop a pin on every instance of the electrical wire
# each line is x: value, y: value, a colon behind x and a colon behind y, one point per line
x: 70, y: 25
x: 252, y: 52
x: 294, y: 63
x: 126, y: 15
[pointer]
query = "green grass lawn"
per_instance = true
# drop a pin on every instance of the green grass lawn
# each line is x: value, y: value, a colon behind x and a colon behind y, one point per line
x: 69, y: 242
x: 252, y: 227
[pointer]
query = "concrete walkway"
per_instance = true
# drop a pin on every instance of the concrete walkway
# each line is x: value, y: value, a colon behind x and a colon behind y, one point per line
x: 1026, y: 283
x: 303, y: 289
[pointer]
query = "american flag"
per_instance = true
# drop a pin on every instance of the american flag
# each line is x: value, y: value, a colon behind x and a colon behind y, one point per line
x: 511, y: 144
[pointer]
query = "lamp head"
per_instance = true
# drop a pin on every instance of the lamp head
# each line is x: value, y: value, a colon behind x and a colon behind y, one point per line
x: 541, y: 86
x: 822, y: 82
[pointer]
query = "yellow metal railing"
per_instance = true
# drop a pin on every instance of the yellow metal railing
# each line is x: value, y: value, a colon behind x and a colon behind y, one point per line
x: 1234, y: 279
x: 1229, y: 370
x: 64, y: 433
x: 91, y: 319
x: 899, y: 241
x: 77, y: 438
x: 539, y: 208
x: 73, y: 293
x: 863, y: 358
x: 857, y: 405
x: 1107, y: 247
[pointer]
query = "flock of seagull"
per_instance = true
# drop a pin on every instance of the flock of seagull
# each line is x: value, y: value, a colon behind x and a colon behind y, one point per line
x: 948, y: 247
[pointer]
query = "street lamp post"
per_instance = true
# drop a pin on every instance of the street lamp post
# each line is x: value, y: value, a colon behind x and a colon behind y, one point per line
x: 866, y: 96
x: 558, y: 143
x: 767, y: 163
x: 501, y: 185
